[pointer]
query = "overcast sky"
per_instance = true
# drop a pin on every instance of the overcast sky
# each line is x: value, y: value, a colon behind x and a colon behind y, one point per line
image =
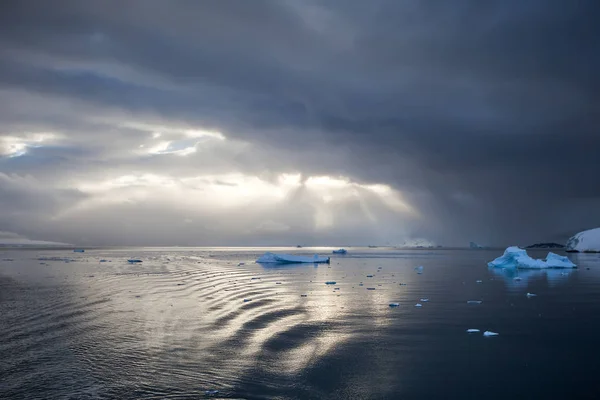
x: 314, y: 122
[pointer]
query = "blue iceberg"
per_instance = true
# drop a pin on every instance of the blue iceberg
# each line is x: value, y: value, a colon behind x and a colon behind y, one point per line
x: 515, y: 257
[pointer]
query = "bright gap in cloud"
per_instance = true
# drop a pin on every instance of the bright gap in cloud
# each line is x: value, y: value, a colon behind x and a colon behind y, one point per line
x: 17, y: 145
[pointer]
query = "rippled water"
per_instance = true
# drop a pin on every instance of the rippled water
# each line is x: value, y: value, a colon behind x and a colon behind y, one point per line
x: 189, y: 320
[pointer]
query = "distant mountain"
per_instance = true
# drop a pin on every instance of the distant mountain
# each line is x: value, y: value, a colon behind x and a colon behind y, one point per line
x: 545, y: 246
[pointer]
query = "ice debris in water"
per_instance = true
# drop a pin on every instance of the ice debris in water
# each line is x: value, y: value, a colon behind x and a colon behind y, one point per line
x: 303, y: 295
x: 272, y: 258
x: 472, y: 330
x: 473, y: 301
x: 479, y: 281
x: 211, y: 392
x: 134, y: 260
x: 78, y: 251
x: 490, y: 333
x: 394, y: 304
x: 340, y: 251
x: 418, y: 305
x: 369, y: 276
x: 424, y: 300
x: 246, y: 300
x: 330, y: 282
x: 419, y: 269
x: 530, y: 294
x: 515, y: 257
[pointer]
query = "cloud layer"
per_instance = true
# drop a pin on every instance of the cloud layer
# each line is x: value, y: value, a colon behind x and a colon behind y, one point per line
x: 283, y: 122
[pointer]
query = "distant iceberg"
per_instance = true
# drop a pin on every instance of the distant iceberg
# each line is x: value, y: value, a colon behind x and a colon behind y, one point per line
x: 585, y: 242
x: 515, y: 257
x: 340, y: 251
x: 474, y: 245
x: 272, y: 258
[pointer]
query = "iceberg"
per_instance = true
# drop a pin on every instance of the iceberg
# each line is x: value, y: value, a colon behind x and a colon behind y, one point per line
x: 340, y: 251
x: 472, y: 330
x: 515, y: 257
x: 474, y: 245
x: 585, y: 242
x: 272, y: 258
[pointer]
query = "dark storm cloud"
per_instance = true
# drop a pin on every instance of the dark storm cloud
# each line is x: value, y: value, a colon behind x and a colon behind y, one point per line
x: 484, y: 114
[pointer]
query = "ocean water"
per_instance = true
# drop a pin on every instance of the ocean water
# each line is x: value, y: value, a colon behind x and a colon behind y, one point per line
x: 188, y: 320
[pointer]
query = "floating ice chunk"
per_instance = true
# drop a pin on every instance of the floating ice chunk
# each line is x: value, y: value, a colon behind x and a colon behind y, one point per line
x: 474, y: 301
x: 272, y: 258
x: 515, y: 257
x: 330, y: 282
x: 490, y: 333
x: 479, y: 281
x: 586, y: 242
x: 370, y: 288
x: 246, y: 300
x: 240, y: 264
x: 134, y: 261
x: 424, y: 300
x: 369, y: 276
x: 517, y: 279
x: 78, y: 251
x: 340, y: 251
x: 303, y: 295
x: 418, y: 305
x: 211, y: 392
x: 472, y: 330
x: 394, y: 304
x: 530, y: 295
x: 419, y: 269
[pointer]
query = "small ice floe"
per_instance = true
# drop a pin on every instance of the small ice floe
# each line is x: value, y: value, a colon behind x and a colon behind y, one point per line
x: 369, y: 276
x: 102, y: 260
x: 394, y: 304
x: 419, y: 269
x: 565, y: 273
x: 303, y: 295
x: 211, y: 392
x: 402, y: 284
x: 361, y: 284
x: 530, y: 294
x: 474, y: 301
x: 278, y: 283
x: 337, y: 288
x: 340, y: 251
x: 418, y: 305
x: 478, y: 281
x: 490, y: 333
x: 472, y: 330
x: 517, y: 279
x: 370, y: 288
x: 78, y: 251
x: 247, y: 300
x: 134, y: 261
x: 240, y: 264
x: 330, y: 282
x: 424, y: 300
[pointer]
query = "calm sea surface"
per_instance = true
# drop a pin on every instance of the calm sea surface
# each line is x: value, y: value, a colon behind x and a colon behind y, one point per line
x: 185, y: 321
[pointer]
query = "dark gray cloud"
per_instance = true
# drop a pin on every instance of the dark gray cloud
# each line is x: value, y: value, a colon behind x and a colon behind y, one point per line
x: 482, y: 117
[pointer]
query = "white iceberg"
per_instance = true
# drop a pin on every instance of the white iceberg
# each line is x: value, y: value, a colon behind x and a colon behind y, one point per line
x: 472, y: 330
x: 490, y: 333
x: 272, y: 258
x: 515, y: 257
x: 585, y: 242
x: 531, y: 294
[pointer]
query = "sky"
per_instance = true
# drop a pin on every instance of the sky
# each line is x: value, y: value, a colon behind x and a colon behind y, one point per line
x: 284, y: 122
